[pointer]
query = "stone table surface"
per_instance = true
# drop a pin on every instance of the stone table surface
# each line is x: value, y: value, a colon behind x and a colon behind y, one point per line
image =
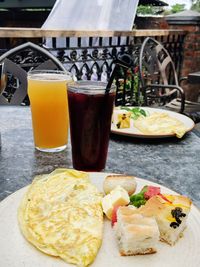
x: 171, y: 162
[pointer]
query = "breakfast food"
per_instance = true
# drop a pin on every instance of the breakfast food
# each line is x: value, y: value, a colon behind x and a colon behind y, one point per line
x: 146, y: 193
x: 125, y: 181
x: 61, y: 215
x: 121, y: 119
x: 160, y: 124
x: 136, y: 233
x: 170, y: 212
x: 117, y: 197
x: 150, y: 216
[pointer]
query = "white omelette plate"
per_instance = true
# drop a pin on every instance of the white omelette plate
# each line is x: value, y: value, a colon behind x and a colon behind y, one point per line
x: 15, y: 251
x: 134, y: 132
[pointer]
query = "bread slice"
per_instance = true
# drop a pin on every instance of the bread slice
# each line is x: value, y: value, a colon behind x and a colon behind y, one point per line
x: 136, y: 234
x: 171, y: 213
x: 125, y: 181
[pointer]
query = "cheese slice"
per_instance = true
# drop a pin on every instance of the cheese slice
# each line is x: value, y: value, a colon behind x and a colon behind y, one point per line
x: 117, y: 197
x: 107, y: 206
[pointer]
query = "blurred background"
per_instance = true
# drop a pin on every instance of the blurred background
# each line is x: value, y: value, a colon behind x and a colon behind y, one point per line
x: 33, y: 13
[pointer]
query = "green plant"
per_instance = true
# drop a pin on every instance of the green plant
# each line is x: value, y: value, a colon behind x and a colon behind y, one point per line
x: 177, y: 8
x: 149, y: 10
x: 131, y: 85
x: 196, y: 5
x: 145, y: 9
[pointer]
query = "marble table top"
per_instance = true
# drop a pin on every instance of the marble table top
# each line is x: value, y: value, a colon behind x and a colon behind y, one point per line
x: 171, y: 162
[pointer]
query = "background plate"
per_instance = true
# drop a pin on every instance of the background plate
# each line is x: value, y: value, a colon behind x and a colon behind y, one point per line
x: 17, y: 252
x: 132, y: 131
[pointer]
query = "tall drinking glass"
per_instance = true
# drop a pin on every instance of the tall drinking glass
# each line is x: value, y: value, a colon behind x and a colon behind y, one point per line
x: 90, y: 110
x: 49, y: 107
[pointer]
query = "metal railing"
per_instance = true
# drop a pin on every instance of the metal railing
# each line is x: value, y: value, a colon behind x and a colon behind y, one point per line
x: 91, y: 55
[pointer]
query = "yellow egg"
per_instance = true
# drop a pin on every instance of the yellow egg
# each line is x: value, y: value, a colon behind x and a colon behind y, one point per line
x: 61, y: 215
x: 160, y: 124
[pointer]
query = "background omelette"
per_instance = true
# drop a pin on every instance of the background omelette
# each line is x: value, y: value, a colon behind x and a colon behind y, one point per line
x: 160, y: 123
x: 61, y: 215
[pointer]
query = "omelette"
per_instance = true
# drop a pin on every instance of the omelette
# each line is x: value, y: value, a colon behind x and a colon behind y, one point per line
x: 61, y: 215
x: 160, y: 124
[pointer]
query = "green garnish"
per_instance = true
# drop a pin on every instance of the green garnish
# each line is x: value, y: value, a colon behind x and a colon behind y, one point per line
x: 146, y: 193
x: 138, y: 199
x: 135, y: 112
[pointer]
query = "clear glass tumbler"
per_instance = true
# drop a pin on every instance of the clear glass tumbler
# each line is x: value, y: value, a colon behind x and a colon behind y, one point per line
x: 49, y: 107
x: 90, y: 110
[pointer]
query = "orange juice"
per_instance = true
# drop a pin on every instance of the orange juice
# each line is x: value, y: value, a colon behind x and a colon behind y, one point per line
x: 49, y: 108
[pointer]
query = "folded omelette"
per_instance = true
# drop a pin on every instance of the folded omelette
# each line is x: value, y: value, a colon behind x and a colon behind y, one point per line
x: 160, y: 124
x: 61, y: 215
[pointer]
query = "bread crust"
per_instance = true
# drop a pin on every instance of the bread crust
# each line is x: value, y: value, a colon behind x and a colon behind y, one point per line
x: 146, y: 251
x: 125, y: 181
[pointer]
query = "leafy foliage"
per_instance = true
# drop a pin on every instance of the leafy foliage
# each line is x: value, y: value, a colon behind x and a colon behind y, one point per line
x: 145, y: 10
x: 136, y: 112
x: 177, y: 8
x: 196, y: 5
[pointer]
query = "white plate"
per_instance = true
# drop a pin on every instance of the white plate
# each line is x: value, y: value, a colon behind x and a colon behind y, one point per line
x: 15, y: 251
x: 132, y: 131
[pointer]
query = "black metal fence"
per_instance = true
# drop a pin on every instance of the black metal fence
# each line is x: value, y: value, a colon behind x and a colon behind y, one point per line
x: 93, y: 58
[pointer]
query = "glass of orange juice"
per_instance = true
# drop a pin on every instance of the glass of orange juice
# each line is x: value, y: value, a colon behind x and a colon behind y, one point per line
x: 47, y: 91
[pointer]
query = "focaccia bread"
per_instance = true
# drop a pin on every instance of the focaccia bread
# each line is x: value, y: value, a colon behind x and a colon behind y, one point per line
x: 136, y: 233
x: 170, y: 212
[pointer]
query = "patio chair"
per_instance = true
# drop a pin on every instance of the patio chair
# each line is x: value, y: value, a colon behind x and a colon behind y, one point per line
x: 159, y: 81
x: 16, y: 63
x: 158, y: 77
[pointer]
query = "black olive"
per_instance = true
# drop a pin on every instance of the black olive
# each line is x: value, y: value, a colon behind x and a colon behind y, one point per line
x: 177, y: 214
x: 118, y: 124
x: 178, y: 220
x: 174, y: 225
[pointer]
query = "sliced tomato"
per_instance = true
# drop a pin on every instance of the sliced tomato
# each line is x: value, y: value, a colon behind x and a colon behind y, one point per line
x: 114, y: 215
x: 151, y: 191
